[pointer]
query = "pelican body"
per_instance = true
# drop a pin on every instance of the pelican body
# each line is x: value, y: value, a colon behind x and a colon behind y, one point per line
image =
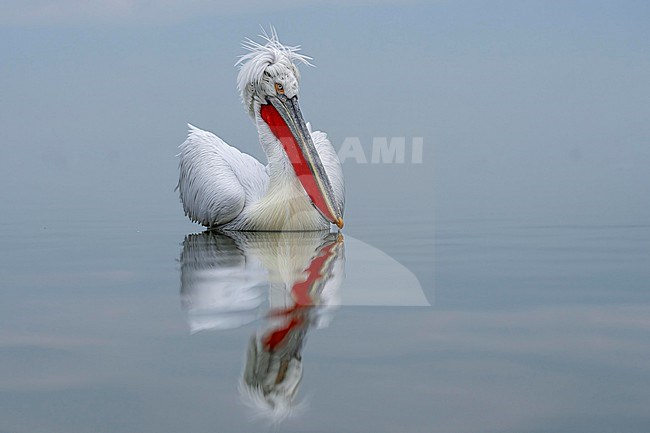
x: 300, y: 189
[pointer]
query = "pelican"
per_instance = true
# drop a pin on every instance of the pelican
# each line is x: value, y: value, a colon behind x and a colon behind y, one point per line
x: 300, y: 189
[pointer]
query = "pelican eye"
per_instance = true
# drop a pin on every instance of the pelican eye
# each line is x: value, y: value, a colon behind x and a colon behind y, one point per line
x: 279, y: 89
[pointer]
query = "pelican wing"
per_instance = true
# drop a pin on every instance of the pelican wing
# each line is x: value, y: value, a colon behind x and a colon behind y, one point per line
x: 216, y: 179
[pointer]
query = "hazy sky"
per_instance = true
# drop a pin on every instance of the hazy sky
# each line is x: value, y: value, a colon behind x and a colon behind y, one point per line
x: 527, y: 109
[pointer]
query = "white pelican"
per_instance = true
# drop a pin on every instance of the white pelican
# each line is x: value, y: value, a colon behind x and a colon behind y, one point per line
x: 301, y: 188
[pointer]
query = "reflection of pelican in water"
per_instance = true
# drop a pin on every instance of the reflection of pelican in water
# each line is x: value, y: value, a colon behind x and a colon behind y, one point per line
x: 226, y: 280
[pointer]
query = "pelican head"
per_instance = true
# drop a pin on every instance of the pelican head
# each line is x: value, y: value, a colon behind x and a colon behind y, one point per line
x: 268, y: 83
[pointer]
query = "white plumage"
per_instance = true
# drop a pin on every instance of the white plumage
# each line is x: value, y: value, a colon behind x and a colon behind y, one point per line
x: 222, y: 187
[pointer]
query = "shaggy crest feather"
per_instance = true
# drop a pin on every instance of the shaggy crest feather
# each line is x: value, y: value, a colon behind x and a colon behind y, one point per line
x: 253, y: 64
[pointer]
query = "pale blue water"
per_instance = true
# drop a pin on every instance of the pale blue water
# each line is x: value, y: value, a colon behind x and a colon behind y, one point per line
x: 532, y: 328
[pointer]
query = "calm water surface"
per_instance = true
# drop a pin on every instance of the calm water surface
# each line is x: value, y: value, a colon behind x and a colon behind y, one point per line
x: 461, y: 326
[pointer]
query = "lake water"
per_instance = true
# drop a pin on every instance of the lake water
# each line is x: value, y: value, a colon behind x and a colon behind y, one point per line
x: 122, y: 325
